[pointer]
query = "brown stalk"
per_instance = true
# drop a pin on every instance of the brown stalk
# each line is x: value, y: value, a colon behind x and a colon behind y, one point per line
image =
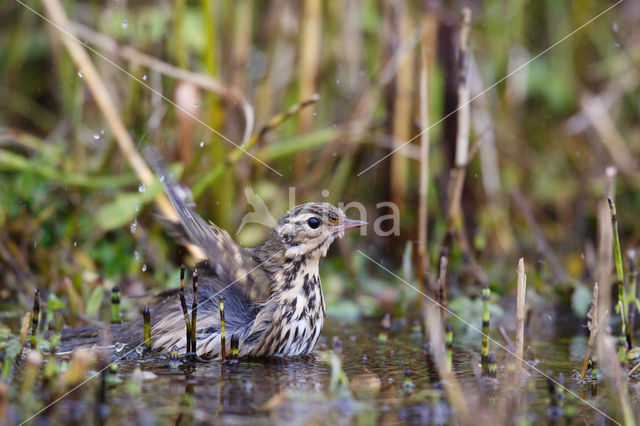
x: 231, y: 93
x: 309, y: 54
x: 402, y: 107
x: 604, y: 342
x: 103, y: 99
x: 454, y: 211
x: 593, y: 330
x: 427, y: 48
x: 521, y: 293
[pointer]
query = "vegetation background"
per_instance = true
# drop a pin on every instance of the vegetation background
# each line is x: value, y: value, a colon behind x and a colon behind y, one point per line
x: 75, y: 218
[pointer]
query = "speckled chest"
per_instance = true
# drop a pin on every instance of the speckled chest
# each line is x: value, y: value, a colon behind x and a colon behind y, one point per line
x: 298, y: 318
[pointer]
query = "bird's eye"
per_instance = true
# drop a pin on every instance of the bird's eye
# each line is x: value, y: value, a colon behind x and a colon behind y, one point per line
x: 313, y: 222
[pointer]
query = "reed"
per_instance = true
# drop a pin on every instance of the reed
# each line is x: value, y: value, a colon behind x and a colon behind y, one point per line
x: 454, y: 212
x: 223, y: 339
x: 402, y: 104
x: 234, y: 350
x: 632, y: 297
x: 448, y: 339
x: 146, y: 317
x: 486, y: 318
x: 174, y: 362
x: 35, y: 315
x: 194, y: 314
x: 622, y: 298
x: 521, y: 294
x: 115, y: 305
x: 385, y: 327
x: 185, y: 313
x: 309, y: 63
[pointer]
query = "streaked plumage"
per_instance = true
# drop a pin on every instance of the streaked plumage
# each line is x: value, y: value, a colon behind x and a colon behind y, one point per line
x: 273, y: 296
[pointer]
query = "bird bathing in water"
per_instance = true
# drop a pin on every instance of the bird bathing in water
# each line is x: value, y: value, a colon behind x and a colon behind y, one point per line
x: 273, y: 299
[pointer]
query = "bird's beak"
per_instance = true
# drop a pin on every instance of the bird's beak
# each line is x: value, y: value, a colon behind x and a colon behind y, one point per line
x: 352, y: 223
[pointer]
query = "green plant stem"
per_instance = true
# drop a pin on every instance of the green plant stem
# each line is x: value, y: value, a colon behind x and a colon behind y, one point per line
x: 622, y: 299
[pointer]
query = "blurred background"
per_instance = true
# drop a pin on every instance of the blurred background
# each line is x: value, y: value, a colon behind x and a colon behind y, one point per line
x: 77, y: 219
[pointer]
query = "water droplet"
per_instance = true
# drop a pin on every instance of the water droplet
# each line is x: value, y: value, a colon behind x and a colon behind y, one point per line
x: 615, y: 27
x: 337, y: 81
x: 144, y: 77
x: 75, y: 244
x: 141, y: 188
x: 217, y: 203
x: 102, y: 132
x: 144, y: 268
x: 136, y: 255
x: 137, y: 207
x: 35, y: 244
x: 118, y: 346
x: 324, y: 193
x: 125, y: 24
x: 195, y: 105
x: 133, y: 226
x: 201, y: 144
x: 96, y: 136
x: 315, y: 113
x: 139, y: 350
x: 80, y: 74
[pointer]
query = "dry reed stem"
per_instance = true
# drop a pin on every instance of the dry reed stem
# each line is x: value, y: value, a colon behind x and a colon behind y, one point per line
x: 429, y: 25
x: 521, y: 294
x: 454, y: 211
x: 462, y: 134
x: 605, y: 258
x: 231, y: 93
x: 402, y: 107
x: 605, y: 348
x: 485, y: 144
x: 309, y: 61
x: 103, y: 99
x: 593, y: 330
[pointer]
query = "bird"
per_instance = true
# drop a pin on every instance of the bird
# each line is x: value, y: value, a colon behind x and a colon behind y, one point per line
x: 273, y: 299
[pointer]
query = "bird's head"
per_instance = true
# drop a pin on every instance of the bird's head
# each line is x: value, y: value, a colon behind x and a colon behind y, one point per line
x: 309, y: 229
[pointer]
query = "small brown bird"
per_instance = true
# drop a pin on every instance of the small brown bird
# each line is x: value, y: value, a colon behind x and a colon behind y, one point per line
x: 272, y: 293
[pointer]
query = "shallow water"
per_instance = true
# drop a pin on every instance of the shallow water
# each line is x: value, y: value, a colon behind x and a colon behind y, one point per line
x: 296, y: 391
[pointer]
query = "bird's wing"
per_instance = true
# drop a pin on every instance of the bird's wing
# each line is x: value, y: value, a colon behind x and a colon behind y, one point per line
x: 225, y: 257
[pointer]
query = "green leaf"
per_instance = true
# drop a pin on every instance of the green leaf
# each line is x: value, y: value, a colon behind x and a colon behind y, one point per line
x: 124, y: 208
x: 54, y: 303
x: 95, y: 301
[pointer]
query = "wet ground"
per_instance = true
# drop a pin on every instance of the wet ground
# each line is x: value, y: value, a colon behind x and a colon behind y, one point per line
x: 299, y: 391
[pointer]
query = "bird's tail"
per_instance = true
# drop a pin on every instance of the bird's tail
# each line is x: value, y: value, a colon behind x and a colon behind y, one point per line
x: 106, y: 336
